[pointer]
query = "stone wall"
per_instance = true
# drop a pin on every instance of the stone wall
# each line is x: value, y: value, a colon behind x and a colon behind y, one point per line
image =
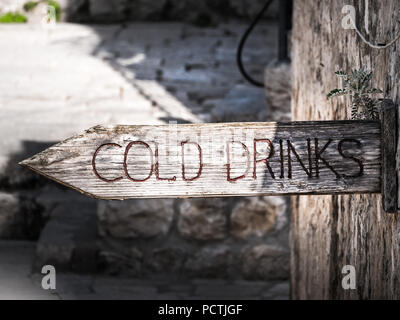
x: 234, y: 238
x: 211, y: 237
x: 229, y: 237
x: 206, y: 12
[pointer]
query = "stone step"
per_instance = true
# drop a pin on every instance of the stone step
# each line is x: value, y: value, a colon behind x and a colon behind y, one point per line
x: 69, y: 239
x: 15, y: 272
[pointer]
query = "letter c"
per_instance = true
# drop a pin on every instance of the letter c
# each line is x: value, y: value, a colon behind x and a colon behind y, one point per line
x: 211, y: 307
x: 94, y: 162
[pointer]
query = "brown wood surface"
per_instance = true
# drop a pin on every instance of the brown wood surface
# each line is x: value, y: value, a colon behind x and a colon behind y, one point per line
x: 203, y: 160
x: 388, y: 115
x: 328, y: 232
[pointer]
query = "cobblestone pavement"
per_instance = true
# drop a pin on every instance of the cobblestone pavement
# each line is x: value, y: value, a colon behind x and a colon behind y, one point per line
x: 15, y: 272
x: 17, y: 282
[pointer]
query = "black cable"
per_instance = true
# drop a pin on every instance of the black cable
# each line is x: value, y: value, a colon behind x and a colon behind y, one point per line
x: 242, y: 42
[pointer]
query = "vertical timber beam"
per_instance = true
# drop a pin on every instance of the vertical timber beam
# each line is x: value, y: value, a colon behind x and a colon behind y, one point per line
x: 330, y: 232
x: 389, y: 145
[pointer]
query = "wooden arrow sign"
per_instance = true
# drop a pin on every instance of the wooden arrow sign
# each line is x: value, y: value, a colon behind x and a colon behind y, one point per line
x: 207, y: 160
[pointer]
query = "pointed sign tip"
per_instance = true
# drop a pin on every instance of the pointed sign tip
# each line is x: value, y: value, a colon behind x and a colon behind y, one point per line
x: 24, y: 163
x: 28, y: 163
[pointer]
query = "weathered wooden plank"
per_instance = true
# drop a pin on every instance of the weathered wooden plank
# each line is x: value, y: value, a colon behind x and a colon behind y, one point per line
x: 329, y: 232
x: 205, y: 160
x: 389, y: 145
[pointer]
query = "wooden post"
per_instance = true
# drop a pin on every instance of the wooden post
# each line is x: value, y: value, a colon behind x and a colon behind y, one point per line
x: 388, y: 115
x: 330, y: 232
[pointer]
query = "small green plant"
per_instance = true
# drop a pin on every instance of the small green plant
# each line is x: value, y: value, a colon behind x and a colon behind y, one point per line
x: 357, y: 85
x: 13, y: 17
x: 56, y: 7
x: 30, y: 5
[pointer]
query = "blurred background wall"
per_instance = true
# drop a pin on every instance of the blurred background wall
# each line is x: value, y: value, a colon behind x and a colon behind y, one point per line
x: 193, y: 63
x: 206, y: 12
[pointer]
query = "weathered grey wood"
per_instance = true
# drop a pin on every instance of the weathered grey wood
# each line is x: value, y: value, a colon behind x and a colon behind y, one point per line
x: 389, y: 145
x: 108, y: 162
x: 329, y: 232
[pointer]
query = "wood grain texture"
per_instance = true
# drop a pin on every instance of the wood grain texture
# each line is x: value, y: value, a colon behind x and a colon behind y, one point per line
x: 237, y: 159
x: 388, y: 115
x: 328, y: 232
